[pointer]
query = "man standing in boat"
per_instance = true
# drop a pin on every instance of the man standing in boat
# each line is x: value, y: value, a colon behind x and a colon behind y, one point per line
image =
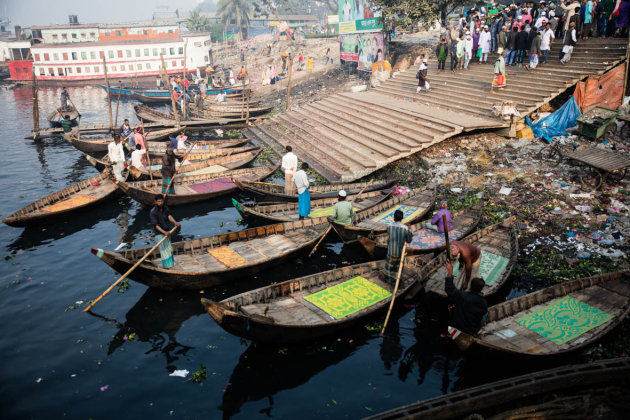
x: 289, y: 166
x: 125, y: 129
x: 117, y: 157
x: 469, y: 257
x: 397, y: 234
x: 168, y: 170
x: 469, y: 308
x: 300, y: 179
x: 160, y: 215
x: 64, y: 97
x: 343, y: 213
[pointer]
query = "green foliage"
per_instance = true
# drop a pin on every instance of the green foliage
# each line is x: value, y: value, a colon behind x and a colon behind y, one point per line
x: 410, y: 12
x: 216, y: 32
x: 200, y: 375
x: 197, y: 22
x: 236, y: 12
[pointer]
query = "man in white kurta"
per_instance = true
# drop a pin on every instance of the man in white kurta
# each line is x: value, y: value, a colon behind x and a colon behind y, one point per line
x: 485, y: 41
x: 117, y: 157
x: 137, y: 157
x: 289, y: 166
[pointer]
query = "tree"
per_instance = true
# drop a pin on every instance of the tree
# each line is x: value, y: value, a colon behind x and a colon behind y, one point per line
x: 197, y: 22
x: 237, y: 12
x: 413, y: 11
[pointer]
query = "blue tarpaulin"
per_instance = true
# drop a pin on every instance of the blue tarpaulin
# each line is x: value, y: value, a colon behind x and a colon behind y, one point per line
x: 557, y: 123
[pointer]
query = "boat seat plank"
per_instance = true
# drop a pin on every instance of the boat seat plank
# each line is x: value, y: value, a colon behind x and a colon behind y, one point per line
x: 184, y: 262
x: 208, y: 261
x: 247, y: 252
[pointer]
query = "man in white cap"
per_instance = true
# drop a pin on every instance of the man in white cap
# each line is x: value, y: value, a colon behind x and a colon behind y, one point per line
x: 423, y: 81
x: 343, y: 213
x: 485, y: 42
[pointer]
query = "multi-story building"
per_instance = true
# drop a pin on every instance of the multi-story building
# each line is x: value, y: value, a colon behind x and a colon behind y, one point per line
x: 78, y: 53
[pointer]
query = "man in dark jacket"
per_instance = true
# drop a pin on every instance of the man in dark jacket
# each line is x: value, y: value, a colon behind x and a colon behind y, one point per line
x: 521, y: 46
x: 510, y: 56
x: 470, y: 308
x: 168, y: 170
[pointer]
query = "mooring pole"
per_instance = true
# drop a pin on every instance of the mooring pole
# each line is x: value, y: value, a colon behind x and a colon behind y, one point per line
x: 35, y: 107
x: 109, y: 98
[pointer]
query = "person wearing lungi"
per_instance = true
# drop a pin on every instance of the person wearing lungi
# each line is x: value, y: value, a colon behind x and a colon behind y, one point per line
x: 397, y: 234
x: 168, y: 170
x: 469, y: 257
x: 304, y: 196
x: 160, y: 215
x: 289, y: 166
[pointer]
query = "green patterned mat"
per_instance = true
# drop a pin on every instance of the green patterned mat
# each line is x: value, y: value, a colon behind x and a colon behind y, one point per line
x: 564, y: 320
x: 492, y: 266
x: 346, y: 298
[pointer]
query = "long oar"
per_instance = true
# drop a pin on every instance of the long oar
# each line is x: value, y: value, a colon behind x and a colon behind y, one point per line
x: 75, y: 107
x: 391, y: 304
x: 175, y: 173
x: 109, y: 289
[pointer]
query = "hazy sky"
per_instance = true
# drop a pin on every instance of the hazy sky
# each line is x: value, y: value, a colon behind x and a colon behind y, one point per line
x: 47, y: 12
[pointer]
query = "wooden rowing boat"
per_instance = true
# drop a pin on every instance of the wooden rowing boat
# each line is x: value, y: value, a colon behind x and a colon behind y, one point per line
x: 193, y: 188
x: 201, y: 167
x: 463, y: 223
x: 274, y: 193
x: 55, y: 117
x: 521, y: 397
x: 164, y: 99
x: 199, y: 262
x: 201, y: 152
x: 71, y: 199
x: 286, y: 212
x: 232, y: 110
x: 555, y: 320
x: 201, y: 144
x: 281, y: 313
x: 498, y: 240
x: 100, y: 145
x: 415, y: 204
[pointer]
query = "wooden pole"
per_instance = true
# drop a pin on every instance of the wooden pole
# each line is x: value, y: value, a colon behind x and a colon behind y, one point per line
x: 109, y: 289
x: 625, y: 80
x: 319, y: 242
x: 249, y: 93
x: 170, y: 88
x: 185, y: 107
x: 35, y: 106
x: 448, y: 243
x: 117, y: 105
x: 289, y: 83
x: 109, y: 98
x: 391, y: 304
x: 176, y: 168
x: 146, y: 142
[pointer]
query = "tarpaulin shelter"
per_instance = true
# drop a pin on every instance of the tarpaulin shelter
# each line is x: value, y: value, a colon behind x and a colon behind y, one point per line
x: 557, y: 123
x: 605, y: 90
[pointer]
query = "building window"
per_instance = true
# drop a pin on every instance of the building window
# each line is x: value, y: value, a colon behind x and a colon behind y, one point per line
x: 144, y: 32
x: 78, y: 69
x: 51, y: 71
x: 46, y: 57
x: 83, y: 35
x: 146, y: 52
x: 42, y: 72
x: 197, y: 44
x: 181, y: 50
x: 205, y: 58
x: 69, y: 70
x: 155, y: 52
x: 74, y: 56
x: 170, y: 31
x: 206, y: 43
x: 110, y: 54
x: 128, y: 53
x: 122, y: 67
x: 113, y: 68
x: 74, y: 36
x: 93, y: 55
x: 107, y: 34
x: 117, y: 33
x: 60, y: 71
x: 137, y: 53
x: 55, y: 56
x: 148, y: 66
x: 64, y: 36
x: 92, y: 34
x: 183, y: 64
x: 120, y: 54
x: 84, y: 55
x: 174, y: 63
x: 101, y: 54
x: 97, y: 69
x: 139, y: 66
x: 55, y: 37
x: 36, y: 57
x: 163, y: 51
x: 65, y: 56
x: 87, y: 69
x: 172, y: 51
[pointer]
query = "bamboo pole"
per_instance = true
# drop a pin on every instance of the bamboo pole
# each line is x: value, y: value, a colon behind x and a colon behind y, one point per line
x: 185, y: 107
x: 249, y: 94
x: 109, y: 289
x: 146, y: 142
x: 448, y: 243
x: 391, y: 304
x: 109, y: 98
x: 35, y: 106
x: 117, y: 105
x: 170, y: 88
x: 625, y: 80
x: 289, y: 83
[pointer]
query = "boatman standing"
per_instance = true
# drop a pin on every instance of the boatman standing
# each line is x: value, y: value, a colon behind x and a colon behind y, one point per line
x: 397, y: 234
x: 469, y: 257
x: 304, y: 196
x: 160, y: 215
x: 125, y: 129
x: 343, y: 213
x: 469, y: 308
x: 64, y: 97
x: 168, y: 170
x: 117, y: 157
x: 289, y: 166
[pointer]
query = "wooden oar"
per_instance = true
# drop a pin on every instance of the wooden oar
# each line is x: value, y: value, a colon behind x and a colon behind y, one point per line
x: 176, y: 168
x: 448, y: 243
x: 75, y: 107
x: 109, y: 289
x: 391, y: 304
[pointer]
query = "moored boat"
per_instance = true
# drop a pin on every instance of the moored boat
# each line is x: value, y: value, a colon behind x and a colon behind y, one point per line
x: 76, y: 197
x: 55, y: 117
x: 555, y: 320
x: 193, y: 188
x: 265, y: 191
x: 414, y: 204
x: 286, y: 212
x: 219, y: 259
x: 309, y: 307
x: 202, y: 150
x: 99, y: 145
x: 463, y: 223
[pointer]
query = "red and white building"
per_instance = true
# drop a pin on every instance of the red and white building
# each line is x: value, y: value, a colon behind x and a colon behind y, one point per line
x: 74, y: 53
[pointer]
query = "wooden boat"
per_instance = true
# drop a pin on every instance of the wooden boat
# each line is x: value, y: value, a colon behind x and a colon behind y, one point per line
x: 202, y: 144
x: 199, y: 262
x: 519, y: 397
x: 199, y: 153
x: 555, y: 320
x: 100, y: 145
x: 281, y: 313
x: 76, y: 197
x: 286, y: 212
x: 128, y: 92
x: 200, y: 167
x: 146, y: 113
x: 463, y: 223
x: 55, y: 117
x: 499, y: 240
x: 415, y: 204
x: 156, y: 97
x: 228, y: 110
x: 193, y: 188
x: 275, y: 193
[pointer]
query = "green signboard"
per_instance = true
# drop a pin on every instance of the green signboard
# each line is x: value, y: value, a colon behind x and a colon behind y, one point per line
x: 359, y: 16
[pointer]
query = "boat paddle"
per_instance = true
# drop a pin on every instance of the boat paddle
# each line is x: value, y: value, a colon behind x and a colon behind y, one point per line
x: 391, y: 304
x: 109, y: 289
x: 331, y: 225
x: 77, y: 109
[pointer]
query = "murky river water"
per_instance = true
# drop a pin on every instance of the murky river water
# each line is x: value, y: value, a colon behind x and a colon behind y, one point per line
x: 62, y: 363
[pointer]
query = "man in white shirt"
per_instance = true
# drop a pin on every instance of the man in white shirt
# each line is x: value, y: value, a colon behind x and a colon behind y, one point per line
x: 137, y: 157
x: 304, y: 196
x: 546, y: 41
x: 289, y: 166
x: 221, y: 97
x: 117, y: 157
x: 570, y: 40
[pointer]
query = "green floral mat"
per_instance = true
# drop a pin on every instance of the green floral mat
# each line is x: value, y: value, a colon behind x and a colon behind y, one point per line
x: 491, y: 269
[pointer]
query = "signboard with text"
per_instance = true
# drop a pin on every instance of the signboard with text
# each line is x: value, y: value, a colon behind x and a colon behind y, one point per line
x: 359, y: 16
x: 361, y: 48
